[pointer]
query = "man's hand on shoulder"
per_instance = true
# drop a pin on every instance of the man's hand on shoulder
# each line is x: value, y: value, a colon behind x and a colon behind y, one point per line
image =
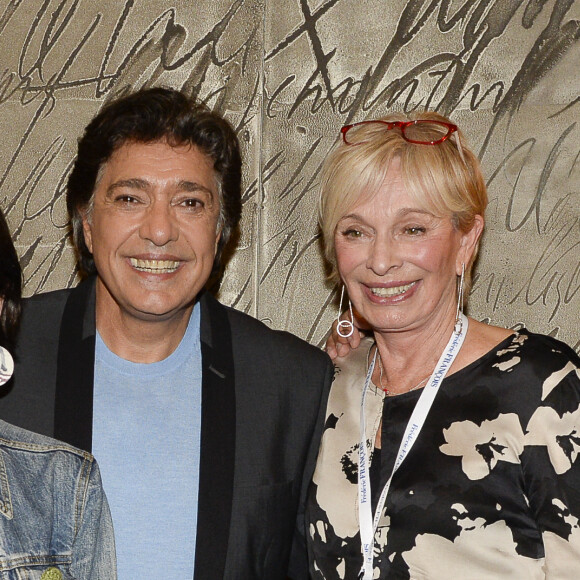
x: 339, y: 346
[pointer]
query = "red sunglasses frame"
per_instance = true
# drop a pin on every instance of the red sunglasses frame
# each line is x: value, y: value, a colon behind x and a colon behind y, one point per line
x: 451, y: 128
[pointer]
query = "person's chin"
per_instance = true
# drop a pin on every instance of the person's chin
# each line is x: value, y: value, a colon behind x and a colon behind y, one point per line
x: 156, y: 312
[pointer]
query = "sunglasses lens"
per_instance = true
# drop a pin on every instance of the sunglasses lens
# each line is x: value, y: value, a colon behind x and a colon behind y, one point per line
x: 426, y: 132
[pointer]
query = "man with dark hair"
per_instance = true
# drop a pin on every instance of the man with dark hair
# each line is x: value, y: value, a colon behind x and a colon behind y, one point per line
x: 205, y: 426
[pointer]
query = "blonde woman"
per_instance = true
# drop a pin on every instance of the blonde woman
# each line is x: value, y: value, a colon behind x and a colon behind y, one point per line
x: 450, y: 447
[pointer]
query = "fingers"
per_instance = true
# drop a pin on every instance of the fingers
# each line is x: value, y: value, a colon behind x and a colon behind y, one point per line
x: 339, y: 346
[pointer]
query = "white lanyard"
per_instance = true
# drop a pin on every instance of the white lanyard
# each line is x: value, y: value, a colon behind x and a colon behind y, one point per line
x: 367, y: 524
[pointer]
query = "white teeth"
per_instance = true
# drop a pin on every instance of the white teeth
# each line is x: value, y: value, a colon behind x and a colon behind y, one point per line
x: 155, y: 266
x: 393, y: 291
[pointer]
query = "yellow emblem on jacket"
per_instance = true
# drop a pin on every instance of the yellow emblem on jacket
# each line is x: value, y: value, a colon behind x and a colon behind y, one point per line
x: 51, y: 574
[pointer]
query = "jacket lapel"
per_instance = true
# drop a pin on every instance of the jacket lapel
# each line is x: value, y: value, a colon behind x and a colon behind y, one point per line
x: 73, y: 415
x: 218, y: 428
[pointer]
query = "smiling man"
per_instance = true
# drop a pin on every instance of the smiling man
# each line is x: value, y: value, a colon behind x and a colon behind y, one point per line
x: 205, y: 425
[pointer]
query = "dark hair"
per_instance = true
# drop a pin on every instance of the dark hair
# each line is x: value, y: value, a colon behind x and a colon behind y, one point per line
x: 145, y: 116
x: 10, y: 287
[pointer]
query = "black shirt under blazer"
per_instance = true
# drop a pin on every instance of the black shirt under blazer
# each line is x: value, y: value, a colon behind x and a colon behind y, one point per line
x: 263, y: 402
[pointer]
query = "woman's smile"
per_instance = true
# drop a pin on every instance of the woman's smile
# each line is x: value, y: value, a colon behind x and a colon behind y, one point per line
x: 391, y: 291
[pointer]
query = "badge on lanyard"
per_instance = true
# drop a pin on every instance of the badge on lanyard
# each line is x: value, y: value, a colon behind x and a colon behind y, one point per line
x: 367, y: 524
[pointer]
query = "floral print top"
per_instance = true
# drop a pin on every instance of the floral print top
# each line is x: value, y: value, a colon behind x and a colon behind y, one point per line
x: 491, y: 488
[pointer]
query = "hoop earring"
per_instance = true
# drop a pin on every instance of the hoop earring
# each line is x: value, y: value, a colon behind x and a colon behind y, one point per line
x: 345, y: 328
x: 459, y: 312
x: 6, y: 366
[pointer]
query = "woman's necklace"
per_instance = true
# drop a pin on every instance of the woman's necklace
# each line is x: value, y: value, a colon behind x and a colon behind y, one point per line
x: 391, y: 393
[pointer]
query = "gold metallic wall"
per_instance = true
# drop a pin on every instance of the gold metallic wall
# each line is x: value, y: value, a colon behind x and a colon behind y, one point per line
x: 288, y: 74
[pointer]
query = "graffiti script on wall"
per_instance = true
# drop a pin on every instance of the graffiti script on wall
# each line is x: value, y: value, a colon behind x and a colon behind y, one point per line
x: 288, y: 74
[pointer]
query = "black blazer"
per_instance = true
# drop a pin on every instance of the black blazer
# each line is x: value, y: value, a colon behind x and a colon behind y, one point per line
x: 263, y: 403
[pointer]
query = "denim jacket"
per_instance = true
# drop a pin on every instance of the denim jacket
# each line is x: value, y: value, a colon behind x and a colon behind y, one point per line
x: 54, y: 518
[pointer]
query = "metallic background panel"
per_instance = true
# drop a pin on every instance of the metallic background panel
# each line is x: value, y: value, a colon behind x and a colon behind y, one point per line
x: 288, y: 74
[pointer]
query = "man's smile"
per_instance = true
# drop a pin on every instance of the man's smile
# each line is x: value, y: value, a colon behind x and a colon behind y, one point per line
x: 155, y: 266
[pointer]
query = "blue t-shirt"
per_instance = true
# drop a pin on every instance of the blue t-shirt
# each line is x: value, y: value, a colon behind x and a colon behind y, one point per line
x: 146, y: 437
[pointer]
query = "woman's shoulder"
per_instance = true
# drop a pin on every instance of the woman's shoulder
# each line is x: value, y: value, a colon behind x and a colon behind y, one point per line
x: 547, y: 356
x: 519, y: 351
x: 355, y: 363
x: 349, y: 377
x: 548, y: 346
x: 484, y: 338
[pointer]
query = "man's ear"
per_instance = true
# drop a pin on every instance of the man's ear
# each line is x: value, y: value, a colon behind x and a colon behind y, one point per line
x: 469, y: 242
x: 87, y: 230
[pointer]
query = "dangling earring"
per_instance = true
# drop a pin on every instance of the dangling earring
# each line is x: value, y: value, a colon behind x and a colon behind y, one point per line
x: 459, y: 312
x: 6, y: 366
x: 347, y: 325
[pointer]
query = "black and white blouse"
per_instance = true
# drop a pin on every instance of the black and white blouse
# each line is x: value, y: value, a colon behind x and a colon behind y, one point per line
x: 491, y: 488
